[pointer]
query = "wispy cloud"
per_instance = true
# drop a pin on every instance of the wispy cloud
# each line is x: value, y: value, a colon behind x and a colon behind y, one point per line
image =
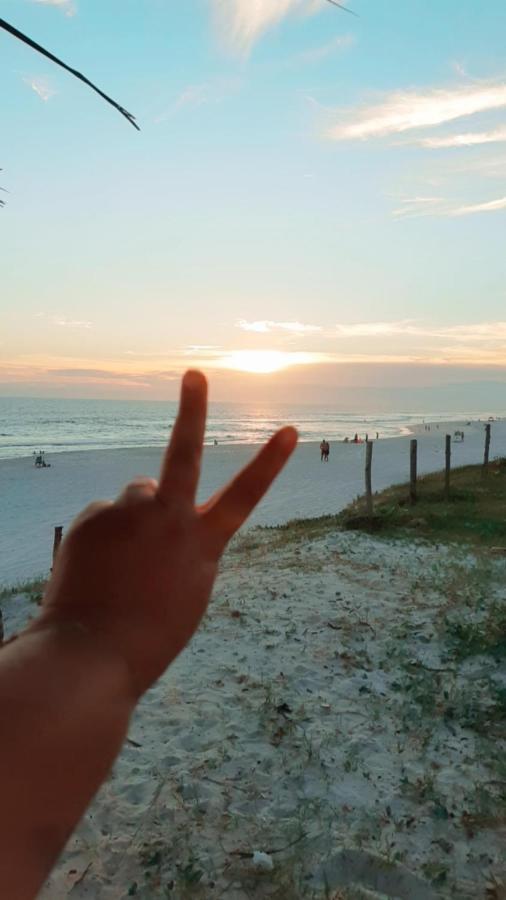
x: 492, y: 167
x: 413, y: 206
x: 71, y: 323
x: 67, y: 6
x: 192, y: 96
x: 98, y: 377
x: 439, y: 207
x: 195, y: 95
x: 476, y: 332
x: 468, y: 139
x: 245, y: 20
x: 375, y: 329
x: 41, y: 86
x: 317, y: 54
x: 403, y: 111
x: 490, y: 206
x: 264, y: 326
x: 192, y: 348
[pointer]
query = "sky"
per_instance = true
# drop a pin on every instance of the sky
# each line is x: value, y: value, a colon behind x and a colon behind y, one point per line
x: 315, y: 202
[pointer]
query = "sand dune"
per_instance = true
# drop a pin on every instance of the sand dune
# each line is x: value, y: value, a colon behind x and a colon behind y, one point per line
x: 318, y: 738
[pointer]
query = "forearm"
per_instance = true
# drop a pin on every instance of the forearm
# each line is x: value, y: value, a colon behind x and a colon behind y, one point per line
x: 64, y: 707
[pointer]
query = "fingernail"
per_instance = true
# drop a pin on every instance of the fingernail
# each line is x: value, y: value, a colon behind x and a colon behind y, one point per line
x: 194, y: 380
x: 289, y: 436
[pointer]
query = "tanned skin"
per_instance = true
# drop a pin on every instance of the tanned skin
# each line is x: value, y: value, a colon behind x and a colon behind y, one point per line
x: 130, y: 585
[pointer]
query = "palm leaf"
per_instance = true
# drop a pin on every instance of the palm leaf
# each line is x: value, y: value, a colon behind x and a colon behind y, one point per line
x: 33, y: 44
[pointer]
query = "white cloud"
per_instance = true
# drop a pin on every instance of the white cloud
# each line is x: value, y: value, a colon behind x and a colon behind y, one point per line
x: 490, y: 332
x: 490, y: 206
x: 375, y: 329
x: 459, y: 69
x: 67, y: 6
x: 316, y: 54
x: 264, y: 326
x: 193, y: 347
x: 243, y: 21
x: 415, y: 206
x: 482, y: 166
x: 41, y: 87
x: 469, y: 139
x: 195, y: 95
x: 192, y: 96
x: 477, y: 332
x: 405, y: 110
x: 440, y: 207
x: 71, y: 323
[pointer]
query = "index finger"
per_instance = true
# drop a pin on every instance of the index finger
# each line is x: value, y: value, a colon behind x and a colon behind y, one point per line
x: 181, y: 465
x: 228, y: 510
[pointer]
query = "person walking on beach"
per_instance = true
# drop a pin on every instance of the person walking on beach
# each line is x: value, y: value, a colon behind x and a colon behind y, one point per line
x: 325, y: 450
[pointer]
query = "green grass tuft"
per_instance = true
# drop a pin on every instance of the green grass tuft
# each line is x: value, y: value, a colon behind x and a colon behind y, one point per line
x: 34, y: 589
x: 474, y: 514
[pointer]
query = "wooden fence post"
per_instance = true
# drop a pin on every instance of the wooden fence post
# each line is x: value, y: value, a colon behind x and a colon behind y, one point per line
x: 58, y: 532
x: 413, y: 470
x: 448, y: 457
x: 487, y: 449
x: 368, y: 478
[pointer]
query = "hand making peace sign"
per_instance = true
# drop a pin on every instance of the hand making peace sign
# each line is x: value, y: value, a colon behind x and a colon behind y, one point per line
x: 137, y: 573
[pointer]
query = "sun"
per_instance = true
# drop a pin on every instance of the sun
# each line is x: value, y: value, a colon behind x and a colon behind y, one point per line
x: 262, y: 362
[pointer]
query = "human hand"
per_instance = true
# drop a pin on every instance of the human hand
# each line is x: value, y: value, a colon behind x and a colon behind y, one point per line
x: 137, y: 573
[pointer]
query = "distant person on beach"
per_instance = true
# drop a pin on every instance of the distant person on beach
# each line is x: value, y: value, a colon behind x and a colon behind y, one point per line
x: 70, y: 682
x: 40, y: 460
x: 324, y: 450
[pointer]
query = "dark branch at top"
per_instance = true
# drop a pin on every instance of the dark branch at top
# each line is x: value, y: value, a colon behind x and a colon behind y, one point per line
x: 340, y: 5
x: 26, y: 40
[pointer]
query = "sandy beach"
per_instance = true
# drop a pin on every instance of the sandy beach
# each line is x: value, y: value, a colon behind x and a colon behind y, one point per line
x: 35, y: 500
x: 320, y: 737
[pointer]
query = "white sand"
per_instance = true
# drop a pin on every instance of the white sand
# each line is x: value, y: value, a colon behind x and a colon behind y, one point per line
x: 35, y: 500
x: 320, y: 706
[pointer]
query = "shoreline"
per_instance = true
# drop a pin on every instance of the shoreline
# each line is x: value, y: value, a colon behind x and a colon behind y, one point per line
x: 405, y: 431
x: 36, y: 500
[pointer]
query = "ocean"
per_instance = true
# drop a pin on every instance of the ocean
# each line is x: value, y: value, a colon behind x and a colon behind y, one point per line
x: 57, y: 425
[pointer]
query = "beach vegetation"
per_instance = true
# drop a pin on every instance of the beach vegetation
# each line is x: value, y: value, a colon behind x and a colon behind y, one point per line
x: 435, y: 872
x: 475, y: 512
x: 484, y: 636
x: 33, y: 589
x: 280, y: 536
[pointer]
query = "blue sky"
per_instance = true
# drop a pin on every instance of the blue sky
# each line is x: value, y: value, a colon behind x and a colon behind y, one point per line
x: 314, y: 196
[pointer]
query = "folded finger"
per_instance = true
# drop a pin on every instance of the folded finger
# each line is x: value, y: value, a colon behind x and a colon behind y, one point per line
x: 141, y: 488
